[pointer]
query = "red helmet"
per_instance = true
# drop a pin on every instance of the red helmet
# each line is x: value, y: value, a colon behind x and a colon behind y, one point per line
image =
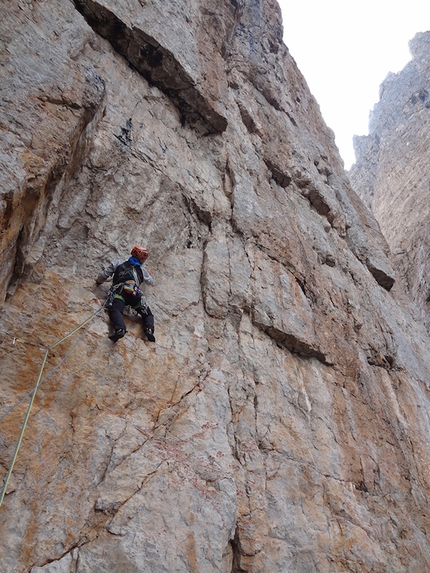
x: 140, y: 253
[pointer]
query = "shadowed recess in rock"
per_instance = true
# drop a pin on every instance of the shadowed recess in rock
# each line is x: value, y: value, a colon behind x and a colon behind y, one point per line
x: 156, y: 64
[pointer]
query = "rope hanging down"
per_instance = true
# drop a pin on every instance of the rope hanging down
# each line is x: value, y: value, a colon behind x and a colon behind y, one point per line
x: 9, y: 410
x: 33, y: 396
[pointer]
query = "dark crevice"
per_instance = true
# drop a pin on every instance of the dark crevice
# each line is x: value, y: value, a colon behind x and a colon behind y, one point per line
x: 293, y: 343
x: 382, y: 278
x: 297, y: 346
x: 69, y: 550
x: 125, y: 135
x: 362, y: 486
x: 278, y: 175
x: 386, y: 362
x: 113, y: 507
x: 317, y: 200
x: 264, y: 91
x: 237, y: 553
x: 203, y: 215
x: 247, y: 119
x: 291, y: 118
x: 315, y: 196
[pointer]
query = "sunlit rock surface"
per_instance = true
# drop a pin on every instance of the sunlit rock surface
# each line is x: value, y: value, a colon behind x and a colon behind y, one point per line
x: 279, y: 423
x: 392, y: 171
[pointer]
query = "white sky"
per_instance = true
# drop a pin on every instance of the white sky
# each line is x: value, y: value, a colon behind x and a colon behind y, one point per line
x: 345, y: 49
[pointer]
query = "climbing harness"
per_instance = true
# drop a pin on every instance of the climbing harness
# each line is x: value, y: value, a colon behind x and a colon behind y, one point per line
x: 33, y: 393
x: 130, y: 289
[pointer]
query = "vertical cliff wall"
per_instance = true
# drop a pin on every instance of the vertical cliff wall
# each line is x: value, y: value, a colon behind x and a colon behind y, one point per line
x: 280, y: 420
x: 392, y: 170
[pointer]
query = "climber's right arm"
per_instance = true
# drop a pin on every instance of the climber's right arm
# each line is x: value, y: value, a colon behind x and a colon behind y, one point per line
x: 107, y: 272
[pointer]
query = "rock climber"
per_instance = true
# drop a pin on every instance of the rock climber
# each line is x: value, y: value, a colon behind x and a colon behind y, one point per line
x: 125, y: 291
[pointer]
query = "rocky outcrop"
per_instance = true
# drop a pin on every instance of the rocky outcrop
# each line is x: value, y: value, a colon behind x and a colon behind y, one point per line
x: 47, y: 122
x: 391, y: 172
x: 279, y: 422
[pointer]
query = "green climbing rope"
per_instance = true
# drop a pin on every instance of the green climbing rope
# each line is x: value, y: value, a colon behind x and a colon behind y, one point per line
x: 33, y: 396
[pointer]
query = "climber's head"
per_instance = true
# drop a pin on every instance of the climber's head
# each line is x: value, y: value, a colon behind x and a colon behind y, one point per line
x: 140, y: 253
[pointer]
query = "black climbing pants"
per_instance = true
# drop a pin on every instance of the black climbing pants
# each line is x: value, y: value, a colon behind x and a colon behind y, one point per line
x: 117, y: 309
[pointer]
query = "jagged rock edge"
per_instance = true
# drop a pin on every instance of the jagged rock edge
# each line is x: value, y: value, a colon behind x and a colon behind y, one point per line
x: 146, y: 55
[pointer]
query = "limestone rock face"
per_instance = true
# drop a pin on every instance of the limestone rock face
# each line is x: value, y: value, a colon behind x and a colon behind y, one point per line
x: 279, y: 423
x: 392, y: 170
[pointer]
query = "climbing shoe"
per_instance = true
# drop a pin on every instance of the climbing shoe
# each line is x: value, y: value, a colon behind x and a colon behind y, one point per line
x: 150, y: 334
x: 117, y: 334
